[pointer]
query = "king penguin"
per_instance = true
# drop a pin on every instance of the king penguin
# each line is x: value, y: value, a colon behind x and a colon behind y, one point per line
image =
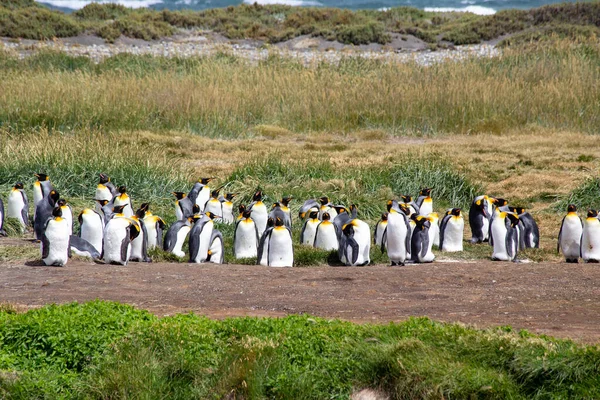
x: 397, y: 234
x: 569, y: 236
x: 425, y: 202
x: 214, y: 205
x: 43, y: 212
x: 55, y: 240
x: 451, y: 231
x: 531, y: 232
x: 590, y: 238
x: 380, y: 228
x: 83, y: 248
x: 216, y: 250
x: 176, y: 235
x: 326, y: 237
x: 139, y: 245
x: 421, y: 241
x: 308, y: 206
x: 67, y: 213
x: 355, y: 245
x: 155, y: 227
x: 105, y: 190
x: 91, y: 228
x: 309, y: 229
x: 410, y: 203
x: 245, y: 237
x: 18, y: 206
x: 227, y: 207
x: 123, y: 199
x: 183, y: 206
x: 41, y: 188
x: 504, y: 236
x: 119, y: 232
x: 263, y: 244
x: 326, y: 207
x: 259, y: 212
x: 285, y: 207
x: 277, y: 212
x: 280, y: 248
x: 479, y: 219
x: 200, y: 193
x: 200, y: 238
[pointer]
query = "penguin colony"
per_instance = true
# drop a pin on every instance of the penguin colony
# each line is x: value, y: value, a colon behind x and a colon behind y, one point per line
x: 114, y: 233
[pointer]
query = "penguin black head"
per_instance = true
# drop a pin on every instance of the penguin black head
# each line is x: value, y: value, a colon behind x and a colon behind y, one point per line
x: 406, y: 198
x: 384, y: 216
x: 211, y: 215
x: 257, y: 196
x: 196, y: 209
x: 326, y: 216
x: 140, y: 213
x: 455, y: 212
x: 389, y: 205
x: 286, y: 200
x: 61, y: 202
x: 246, y: 213
x: 205, y: 181
x: 422, y: 222
x: 571, y: 208
x: 122, y: 189
x: 242, y: 208
x: 425, y: 192
x: 19, y: 185
x: 405, y: 209
x: 230, y: 196
x: 270, y: 222
x: 57, y: 212
x: 118, y: 209
x: 592, y: 213
x: 134, y: 231
x: 514, y: 219
x: 278, y: 222
x: 145, y: 206
x: 54, y: 196
x: 194, y: 218
x: 42, y: 177
x: 215, y: 193
x: 313, y: 214
x: 348, y: 230
x: 499, y: 202
x: 324, y: 200
x: 340, y: 209
x: 102, y: 202
x: 104, y: 179
x: 517, y: 210
x: 179, y: 195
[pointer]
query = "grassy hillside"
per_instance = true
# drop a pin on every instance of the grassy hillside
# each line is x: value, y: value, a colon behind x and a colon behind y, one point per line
x: 278, y: 23
x: 108, y: 350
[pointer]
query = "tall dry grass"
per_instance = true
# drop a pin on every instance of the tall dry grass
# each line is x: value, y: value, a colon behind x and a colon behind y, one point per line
x: 556, y: 86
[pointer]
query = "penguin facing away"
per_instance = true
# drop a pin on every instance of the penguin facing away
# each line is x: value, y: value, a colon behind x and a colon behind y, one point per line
x: 280, y: 248
x: 55, y: 240
x: 451, y: 231
x: 531, y: 232
x: 91, y: 228
x: 308, y: 206
x: 569, y: 236
x: 105, y: 209
x: 479, y: 220
x: 18, y: 205
x: 309, y: 229
x: 285, y: 207
x: 590, y: 238
x: 277, y: 212
x: 245, y: 237
x: 44, y: 211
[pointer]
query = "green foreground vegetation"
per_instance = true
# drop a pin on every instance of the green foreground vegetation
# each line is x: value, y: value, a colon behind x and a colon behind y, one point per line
x: 276, y: 23
x: 108, y: 350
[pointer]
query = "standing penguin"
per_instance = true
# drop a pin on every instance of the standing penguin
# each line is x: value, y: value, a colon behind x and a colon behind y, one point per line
x: 326, y: 237
x: 200, y: 193
x: 216, y: 250
x: 18, y: 206
x: 263, y: 244
x: 154, y: 226
x: 214, y: 205
x: 309, y: 229
x: 285, y: 207
x: 200, y: 237
x: 241, y: 209
x: 105, y: 190
x: 139, y: 245
x: 119, y: 232
x: 504, y: 236
x: 451, y: 231
x: 277, y: 212
x: 397, y: 234
x: 245, y: 237
x: 380, y: 228
x: 91, y: 227
x: 67, y: 214
x: 420, y: 242
x: 183, y: 206
x: 259, y: 212
x: 425, y: 202
x: 227, y: 208
x: 43, y: 211
x: 2, y: 231
x: 280, y: 248
x: 123, y: 199
x: 355, y: 245
x: 326, y: 207
x: 41, y: 188
x: 176, y: 235
x: 569, y: 236
x: 531, y: 232
x: 410, y: 203
x: 479, y: 220
x: 590, y: 238
x: 55, y: 240
x: 106, y: 208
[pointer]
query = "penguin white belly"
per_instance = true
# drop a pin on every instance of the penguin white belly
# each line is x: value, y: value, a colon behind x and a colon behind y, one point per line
x: 93, y: 231
x: 137, y: 247
x: 126, y: 201
x: 181, y: 235
x: 264, y: 260
x: 326, y: 209
x: 58, y: 237
x: 426, y: 207
x: 114, y: 234
x: 310, y: 229
x: 434, y: 234
x: 214, y: 206
x: 362, y: 236
x: 499, y: 233
x: 178, y: 212
x: 67, y: 215
x: 37, y: 194
x: 15, y: 206
x: 281, y: 252
x: 204, y: 242
x: 486, y: 229
x: 152, y: 233
x: 260, y: 215
x: 227, y: 208
x: 453, y: 235
x: 590, y: 240
x: 570, y: 238
x: 246, y: 245
x: 103, y: 193
x: 429, y: 256
x: 379, y: 233
x: 326, y: 238
x: 203, y: 197
x: 396, y: 238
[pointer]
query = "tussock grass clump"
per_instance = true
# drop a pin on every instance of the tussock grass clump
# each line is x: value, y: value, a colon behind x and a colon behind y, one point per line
x: 586, y: 196
x: 107, y: 350
x: 36, y: 23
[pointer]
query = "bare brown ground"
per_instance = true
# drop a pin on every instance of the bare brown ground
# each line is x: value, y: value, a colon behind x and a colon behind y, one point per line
x: 547, y: 298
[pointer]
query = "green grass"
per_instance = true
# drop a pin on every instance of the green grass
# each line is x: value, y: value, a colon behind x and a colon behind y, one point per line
x: 106, y: 350
x: 585, y: 196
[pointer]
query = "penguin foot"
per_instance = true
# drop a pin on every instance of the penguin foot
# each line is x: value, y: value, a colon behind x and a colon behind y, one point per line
x: 572, y: 260
x: 592, y: 261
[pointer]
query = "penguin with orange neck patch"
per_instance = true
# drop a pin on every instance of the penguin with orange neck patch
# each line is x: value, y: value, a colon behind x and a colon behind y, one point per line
x: 123, y: 199
x: 280, y: 249
x: 425, y: 202
x: 259, y: 212
x: 55, y: 240
x: 569, y: 236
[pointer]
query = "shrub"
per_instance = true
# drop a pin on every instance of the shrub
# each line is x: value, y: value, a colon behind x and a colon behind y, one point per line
x: 36, y: 23
x: 95, y: 11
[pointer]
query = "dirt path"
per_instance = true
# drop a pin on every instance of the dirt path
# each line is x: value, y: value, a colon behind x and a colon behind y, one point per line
x: 555, y: 299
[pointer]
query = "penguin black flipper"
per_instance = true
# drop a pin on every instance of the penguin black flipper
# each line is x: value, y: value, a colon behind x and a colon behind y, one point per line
x: 145, y: 243
x: 194, y: 242
x: 125, y: 243
x: 424, y: 245
x: 317, y: 233
x: 408, y: 238
x: 25, y: 210
x: 443, y: 229
x: 383, y: 240
x: 560, y: 235
x: 45, y: 246
x: 261, y: 244
x: 2, y: 231
x: 159, y: 232
x: 217, y: 235
x: 83, y: 246
x: 512, y: 243
x: 350, y: 242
